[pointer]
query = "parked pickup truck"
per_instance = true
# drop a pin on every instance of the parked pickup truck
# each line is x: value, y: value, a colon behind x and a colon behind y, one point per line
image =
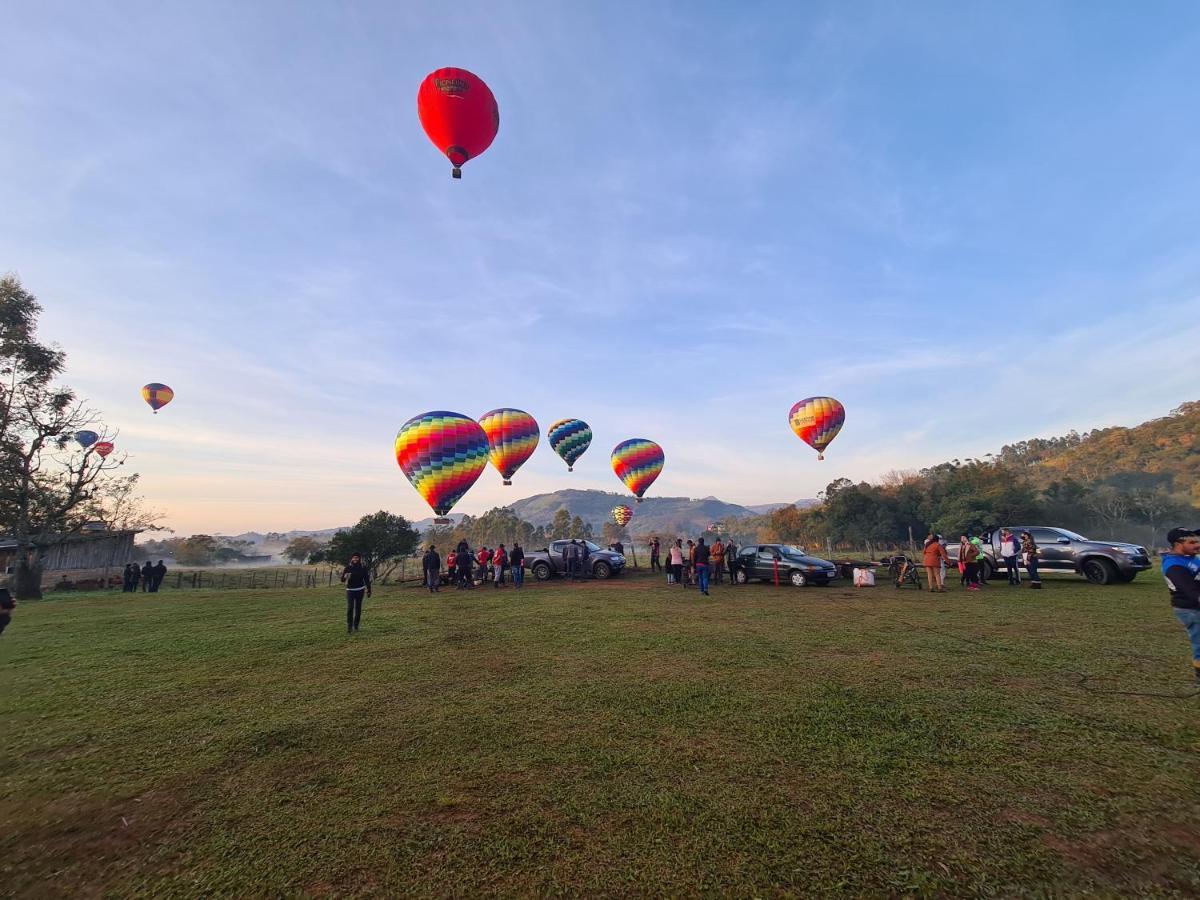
x: 1060, y: 550
x: 548, y: 562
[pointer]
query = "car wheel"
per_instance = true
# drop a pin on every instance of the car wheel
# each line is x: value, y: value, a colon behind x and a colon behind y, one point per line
x: 986, y: 570
x: 602, y: 570
x: 796, y: 577
x: 741, y: 577
x: 1099, y: 571
x: 541, y: 571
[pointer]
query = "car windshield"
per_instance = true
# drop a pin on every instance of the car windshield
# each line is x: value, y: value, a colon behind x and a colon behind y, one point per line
x: 592, y: 548
x: 1071, y: 534
x: 789, y: 550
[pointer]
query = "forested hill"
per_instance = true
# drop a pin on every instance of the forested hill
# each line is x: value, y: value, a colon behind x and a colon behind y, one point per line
x: 1160, y: 454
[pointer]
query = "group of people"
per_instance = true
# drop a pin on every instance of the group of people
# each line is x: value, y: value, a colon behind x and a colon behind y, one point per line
x: 1015, y: 550
x: 466, y: 569
x: 148, y: 576
x: 697, y: 564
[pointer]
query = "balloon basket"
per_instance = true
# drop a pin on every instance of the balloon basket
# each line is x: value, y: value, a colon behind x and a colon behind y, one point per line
x: 820, y: 456
x: 570, y: 468
x: 441, y: 521
x: 639, y: 499
x: 456, y: 172
x: 506, y: 481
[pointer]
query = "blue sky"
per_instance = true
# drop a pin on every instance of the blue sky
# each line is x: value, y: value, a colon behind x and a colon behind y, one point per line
x: 971, y: 224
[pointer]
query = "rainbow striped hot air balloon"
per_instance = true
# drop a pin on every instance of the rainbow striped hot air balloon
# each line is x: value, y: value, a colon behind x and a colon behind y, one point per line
x: 637, y: 462
x: 157, y: 395
x: 569, y: 438
x: 512, y: 436
x: 622, y: 514
x: 817, y: 422
x: 443, y: 454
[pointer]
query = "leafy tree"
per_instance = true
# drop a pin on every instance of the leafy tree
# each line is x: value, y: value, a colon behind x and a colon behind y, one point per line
x: 302, y: 549
x: 197, y: 550
x: 560, y: 527
x: 116, y: 503
x: 382, y: 538
x: 46, y: 481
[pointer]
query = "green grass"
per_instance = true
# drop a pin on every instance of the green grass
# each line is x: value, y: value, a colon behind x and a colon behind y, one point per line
x: 605, y: 739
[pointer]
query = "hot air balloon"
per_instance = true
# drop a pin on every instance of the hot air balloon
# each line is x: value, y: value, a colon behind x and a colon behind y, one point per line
x: 817, y: 422
x: 86, y: 438
x: 443, y: 454
x: 459, y: 114
x: 512, y: 436
x: 622, y: 514
x: 103, y: 448
x: 569, y: 438
x: 637, y: 462
x: 157, y: 395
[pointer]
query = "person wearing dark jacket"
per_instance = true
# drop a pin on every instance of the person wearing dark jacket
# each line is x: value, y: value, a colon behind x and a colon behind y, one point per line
x: 147, y: 576
x: 1181, y: 569
x: 516, y: 562
x: 731, y: 550
x: 701, y: 556
x: 462, y: 563
x: 160, y: 572
x: 132, y: 572
x: 358, y: 582
x: 431, y: 566
x: 7, y: 605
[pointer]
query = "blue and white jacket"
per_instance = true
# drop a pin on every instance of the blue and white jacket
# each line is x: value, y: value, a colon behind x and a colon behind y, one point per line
x: 1183, y: 579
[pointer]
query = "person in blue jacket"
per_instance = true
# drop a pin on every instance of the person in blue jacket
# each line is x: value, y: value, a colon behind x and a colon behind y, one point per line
x: 1181, y: 569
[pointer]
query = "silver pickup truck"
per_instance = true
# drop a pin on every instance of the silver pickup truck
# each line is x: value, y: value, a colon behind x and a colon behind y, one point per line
x: 548, y: 562
x: 1060, y: 550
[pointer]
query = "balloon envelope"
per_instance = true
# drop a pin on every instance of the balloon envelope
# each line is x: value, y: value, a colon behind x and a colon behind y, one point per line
x: 512, y: 436
x: 157, y: 395
x: 86, y: 438
x: 817, y: 421
x: 443, y: 454
x: 459, y: 114
x: 637, y: 462
x: 103, y: 448
x: 569, y: 438
x: 622, y: 514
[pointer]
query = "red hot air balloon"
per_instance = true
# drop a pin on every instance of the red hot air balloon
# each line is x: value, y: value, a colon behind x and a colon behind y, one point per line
x: 103, y: 448
x: 458, y: 113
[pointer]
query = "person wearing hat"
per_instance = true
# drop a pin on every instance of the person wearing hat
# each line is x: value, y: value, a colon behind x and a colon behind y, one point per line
x: 431, y: 567
x: 1181, y: 569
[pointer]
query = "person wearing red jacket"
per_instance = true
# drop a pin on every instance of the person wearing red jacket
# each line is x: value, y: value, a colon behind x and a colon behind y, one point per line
x: 499, y: 563
x: 485, y: 560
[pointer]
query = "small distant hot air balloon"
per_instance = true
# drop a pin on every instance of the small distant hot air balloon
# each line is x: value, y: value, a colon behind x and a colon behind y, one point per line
x: 459, y: 114
x: 512, y: 436
x: 817, y: 422
x: 103, y: 448
x: 569, y: 438
x: 157, y: 395
x: 443, y: 454
x: 622, y: 514
x: 637, y: 462
x: 85, y: 439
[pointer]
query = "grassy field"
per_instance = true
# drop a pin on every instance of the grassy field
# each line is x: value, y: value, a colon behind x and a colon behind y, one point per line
x: 605, y: 739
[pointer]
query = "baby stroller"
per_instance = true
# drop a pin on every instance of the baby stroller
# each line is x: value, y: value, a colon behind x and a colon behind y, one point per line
x: 904, y: 571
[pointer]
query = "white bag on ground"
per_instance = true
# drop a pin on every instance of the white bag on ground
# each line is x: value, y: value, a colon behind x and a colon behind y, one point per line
x: 864, y: 578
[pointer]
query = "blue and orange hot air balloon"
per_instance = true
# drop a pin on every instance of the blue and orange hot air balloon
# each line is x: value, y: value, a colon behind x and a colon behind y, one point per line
x: 817, y: 421
x: 622, y: 514
x: 637, y: 462
x: 569, y: 438
x: 157, y: 395
x: 459, y: 114
x: 512, y: 436
x: 442, y: 454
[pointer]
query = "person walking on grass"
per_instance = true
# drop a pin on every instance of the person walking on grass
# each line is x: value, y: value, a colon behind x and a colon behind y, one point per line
x: 160, y: 572
x: 971, y: 565
x: 963, y: 545
x: 718, y: 561
x: 934, y: 561
x: 1181, y: 569
x: 357, y: 579
x: 1010, y: 552
x: 431, y: 566
x: 132, y: 572
x: 702, y: 555
x: 981, y: 574
x: 499, y: 564
x: 516, y: 564
x: 689, y: 562
x: 1029, y: 556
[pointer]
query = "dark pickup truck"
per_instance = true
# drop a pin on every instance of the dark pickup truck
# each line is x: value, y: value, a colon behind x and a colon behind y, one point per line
x: 1060, y: 550
x: 548, y: 562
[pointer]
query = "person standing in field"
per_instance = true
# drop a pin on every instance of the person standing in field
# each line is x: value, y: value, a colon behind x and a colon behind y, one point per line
x: 1181, y: 569
x: 516, y: 563
x: 981, y: 572
x: 675, y: 561
x: 689, y: 562
x: 731, y: 550
x: 431, y: 567
x: 499, y: 564
x: 934, y: 561
x: 945, y: 559
x: 7, y: 605
x: 451, y: 568
x: 147, y: 577
x: 963, y: 544
x: 718, y: 561
x: 655, y: 565
x: 132, y: 572
x: 701, y: 555
x: 463, y: 560
x: 357, y: 579
x: 160, y: 572
x: 1029, y: 556
x: 971, y: 565
x: 1010, y: 552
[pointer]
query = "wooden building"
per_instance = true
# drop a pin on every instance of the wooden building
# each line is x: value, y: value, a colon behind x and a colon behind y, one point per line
x: 90, y: 549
